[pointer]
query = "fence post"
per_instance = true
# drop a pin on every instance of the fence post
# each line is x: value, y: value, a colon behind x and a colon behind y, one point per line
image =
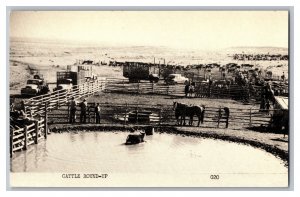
x: 68, y: 113
x: 99, y: 85
x: 136, y: 113
x: 95, y: 112
x: 36, y: 124
x: 159, y: 116
x: 117, y: 113
x: 57, y: 100
x: 168, y: 90
x: 11, y: 142
x: 45, y: 122
x: 219, y: 116
x: 89, y: 114
x: 25, y: 138
x: 152, y: 87
x: 138, y: 89
x: 250, y: 124
x: 125, y: 114
x: 87, y: 89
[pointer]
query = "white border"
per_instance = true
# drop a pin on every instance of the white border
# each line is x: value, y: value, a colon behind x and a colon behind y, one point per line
x: 143, y: 3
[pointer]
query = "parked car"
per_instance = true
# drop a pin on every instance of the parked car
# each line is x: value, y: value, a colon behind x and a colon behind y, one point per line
x: 35, y: 87
x: 176, y: 79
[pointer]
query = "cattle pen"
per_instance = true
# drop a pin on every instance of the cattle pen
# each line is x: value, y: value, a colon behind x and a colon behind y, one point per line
x: 53, y: 109
x: 164, y: 115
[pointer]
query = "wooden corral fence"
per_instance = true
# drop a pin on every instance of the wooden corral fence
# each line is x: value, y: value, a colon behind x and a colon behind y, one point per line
x: 54, y: 100
x: 164, y: 115
x: 31, y: 133
x: 123, y: 86
x: 114, y: 85
x: 201, y: 90
x: 25, y: 132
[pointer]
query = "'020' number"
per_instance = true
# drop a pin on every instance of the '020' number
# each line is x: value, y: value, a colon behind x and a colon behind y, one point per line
x: 215, y: 177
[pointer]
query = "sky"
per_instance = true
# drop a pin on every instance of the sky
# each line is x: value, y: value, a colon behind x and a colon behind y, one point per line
x: 179, y: 29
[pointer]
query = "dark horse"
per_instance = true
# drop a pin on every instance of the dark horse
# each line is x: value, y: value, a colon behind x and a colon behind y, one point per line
x: 135, y: 138
x: 183, y: 110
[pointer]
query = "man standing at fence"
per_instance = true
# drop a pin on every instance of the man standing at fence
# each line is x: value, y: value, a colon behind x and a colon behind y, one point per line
x: 83, y: 107
x: 97, y: 111
x: 186, y: 87
x: 226, y: 110
x: 72, y: 110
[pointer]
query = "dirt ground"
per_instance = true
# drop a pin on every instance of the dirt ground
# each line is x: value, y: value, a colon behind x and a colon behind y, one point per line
x: 164, y: 100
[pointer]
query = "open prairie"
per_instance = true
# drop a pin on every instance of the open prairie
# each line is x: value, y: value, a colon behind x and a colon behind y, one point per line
x: 48, y: 57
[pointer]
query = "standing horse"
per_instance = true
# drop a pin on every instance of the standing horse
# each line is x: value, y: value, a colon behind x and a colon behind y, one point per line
x: 191, y: 111
x: 183, y: 110
x: 180, y: 110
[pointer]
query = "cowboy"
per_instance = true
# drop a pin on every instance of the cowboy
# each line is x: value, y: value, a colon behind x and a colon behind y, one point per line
x: 97, y: 111
x: 268, y: 107
x: 83, y: 108
x: 72, y: 105
x: 186, y: 88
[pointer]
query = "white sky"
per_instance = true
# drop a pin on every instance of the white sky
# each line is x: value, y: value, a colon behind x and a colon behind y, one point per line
x: 180, y: 29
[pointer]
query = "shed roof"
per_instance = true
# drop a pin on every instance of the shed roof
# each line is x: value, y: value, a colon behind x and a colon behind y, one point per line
x: 283, y: 102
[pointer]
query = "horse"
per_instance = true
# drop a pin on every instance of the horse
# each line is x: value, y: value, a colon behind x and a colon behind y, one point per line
x: 224, y: 115
x: 182, y: 110
x: 191, y: 111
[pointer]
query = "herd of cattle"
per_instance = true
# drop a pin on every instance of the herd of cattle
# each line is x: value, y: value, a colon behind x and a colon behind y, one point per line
x: 205, y: 77
x: 260, y: 57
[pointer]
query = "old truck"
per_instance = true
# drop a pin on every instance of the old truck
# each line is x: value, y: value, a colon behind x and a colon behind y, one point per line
x: 36, y: 86
x: 74, y: 75
x: 136, y: 71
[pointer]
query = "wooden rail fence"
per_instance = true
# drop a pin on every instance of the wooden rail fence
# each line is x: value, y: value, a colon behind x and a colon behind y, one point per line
x: 163, y: 115
x: 57, y: 98
x: 54, y: 100
x: 54, y: 108
x: 31, y: 133
x: 233, y: 91
x: 36, y: 128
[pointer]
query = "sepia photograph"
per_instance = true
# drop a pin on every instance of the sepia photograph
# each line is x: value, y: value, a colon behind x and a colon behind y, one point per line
x: 149, y: 98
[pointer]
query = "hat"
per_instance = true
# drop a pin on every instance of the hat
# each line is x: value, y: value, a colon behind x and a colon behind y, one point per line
x: 84, y: 100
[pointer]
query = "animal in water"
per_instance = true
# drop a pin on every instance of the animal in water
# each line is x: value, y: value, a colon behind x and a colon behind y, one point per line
x: 182, y: 110
x: 135, y: 138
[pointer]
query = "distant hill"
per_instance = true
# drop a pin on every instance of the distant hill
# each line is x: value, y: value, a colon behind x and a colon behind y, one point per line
x: 257, y: 50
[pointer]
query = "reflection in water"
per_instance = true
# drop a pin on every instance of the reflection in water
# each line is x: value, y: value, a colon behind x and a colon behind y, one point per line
x: 95, y: 136
x: 161, y: 153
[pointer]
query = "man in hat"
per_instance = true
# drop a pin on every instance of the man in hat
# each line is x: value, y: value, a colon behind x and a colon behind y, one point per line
x: 97, y: 111
x: 83, y: 107
x: 72, y: 104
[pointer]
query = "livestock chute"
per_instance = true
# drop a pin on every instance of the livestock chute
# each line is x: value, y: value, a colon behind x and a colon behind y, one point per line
x: 280, y: 118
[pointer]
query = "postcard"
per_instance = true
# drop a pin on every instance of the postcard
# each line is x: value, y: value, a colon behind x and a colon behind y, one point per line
x: 157, y: 98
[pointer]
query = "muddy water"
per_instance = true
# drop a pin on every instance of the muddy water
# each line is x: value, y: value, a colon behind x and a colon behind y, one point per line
x: 161, y: 153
